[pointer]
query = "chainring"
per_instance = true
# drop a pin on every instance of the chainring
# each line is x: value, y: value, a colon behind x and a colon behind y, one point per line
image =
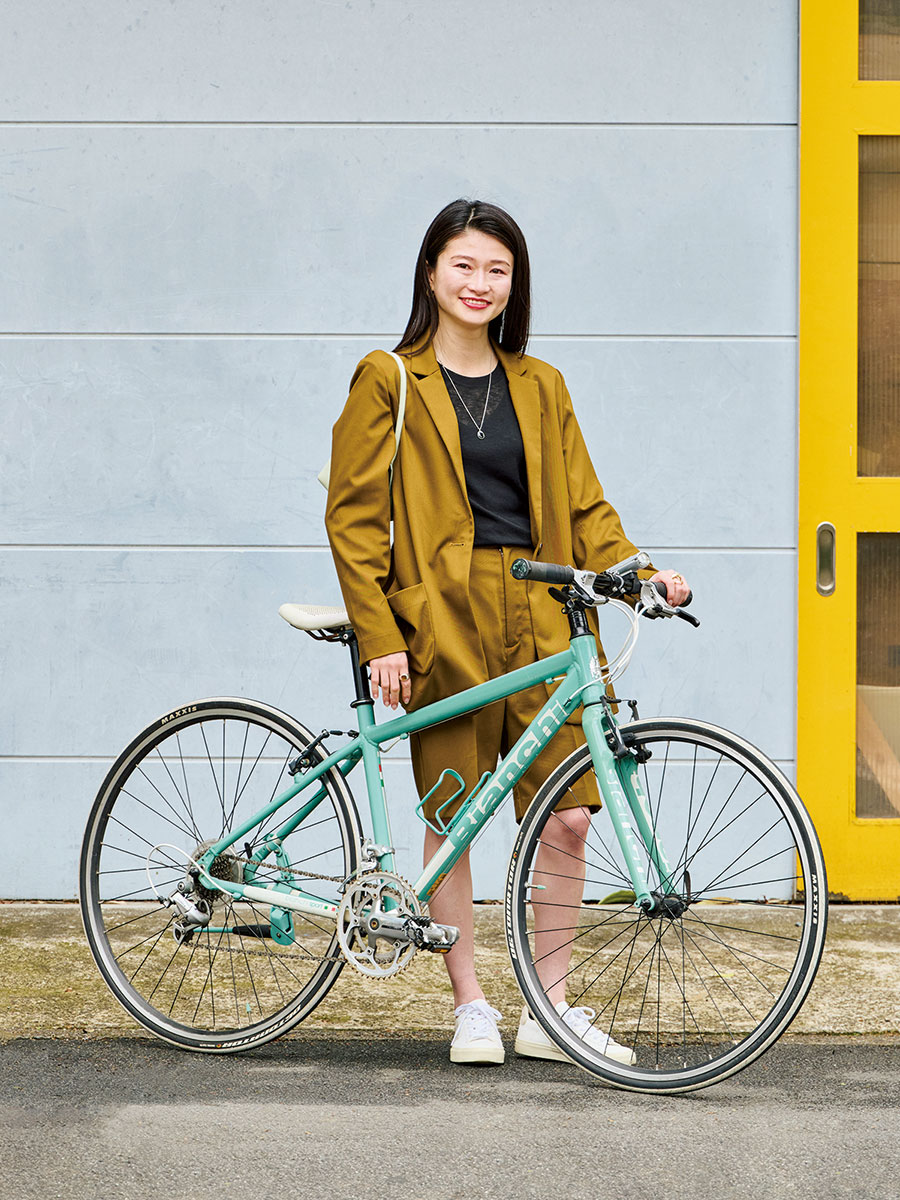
x: 375, y: 956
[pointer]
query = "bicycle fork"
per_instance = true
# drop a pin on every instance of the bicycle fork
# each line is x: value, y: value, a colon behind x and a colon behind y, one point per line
x: 629, y: 810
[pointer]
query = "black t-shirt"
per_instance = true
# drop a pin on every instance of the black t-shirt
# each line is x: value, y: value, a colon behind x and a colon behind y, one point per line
x: 496, y: 479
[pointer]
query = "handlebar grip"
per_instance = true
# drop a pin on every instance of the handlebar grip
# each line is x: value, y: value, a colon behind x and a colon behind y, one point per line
x: 661, y: 588
x: 524, y: 568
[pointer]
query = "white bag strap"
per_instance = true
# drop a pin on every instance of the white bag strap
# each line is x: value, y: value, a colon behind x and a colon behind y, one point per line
x: 324, y: 476
x: 401, y: 412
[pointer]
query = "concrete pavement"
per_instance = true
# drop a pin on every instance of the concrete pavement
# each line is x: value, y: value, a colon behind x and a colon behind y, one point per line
x: 361, y: 1117
x: 50, y: 987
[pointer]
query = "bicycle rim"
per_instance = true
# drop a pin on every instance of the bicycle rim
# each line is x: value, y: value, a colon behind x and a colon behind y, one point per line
x: 696, y: 995
x: 184, y: 782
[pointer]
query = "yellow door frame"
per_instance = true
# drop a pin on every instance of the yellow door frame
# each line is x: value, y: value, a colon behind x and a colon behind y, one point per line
x: 862, y: 855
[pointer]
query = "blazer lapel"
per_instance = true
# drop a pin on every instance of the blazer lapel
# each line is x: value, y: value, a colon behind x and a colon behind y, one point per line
x: 526, y: 399
x: 424, y: 365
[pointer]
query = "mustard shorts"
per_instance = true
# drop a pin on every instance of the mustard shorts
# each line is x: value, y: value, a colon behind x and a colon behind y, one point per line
x: 472, y: 744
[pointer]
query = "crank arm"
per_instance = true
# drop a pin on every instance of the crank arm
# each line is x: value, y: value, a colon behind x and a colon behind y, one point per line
x: 386, y: 925
x: 393, y: 928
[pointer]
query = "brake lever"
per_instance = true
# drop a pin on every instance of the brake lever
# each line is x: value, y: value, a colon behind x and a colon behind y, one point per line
x: 654, y: 604
x: 689, y: 617
x: 580, y: 588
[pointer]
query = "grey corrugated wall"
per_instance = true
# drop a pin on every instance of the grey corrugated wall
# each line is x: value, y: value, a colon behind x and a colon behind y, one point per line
x: 209, y: 212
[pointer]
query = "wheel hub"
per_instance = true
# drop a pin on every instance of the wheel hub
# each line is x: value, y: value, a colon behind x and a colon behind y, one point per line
x: 664, y: 905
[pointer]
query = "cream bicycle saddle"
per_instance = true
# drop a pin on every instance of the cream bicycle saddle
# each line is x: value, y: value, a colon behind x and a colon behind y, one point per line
x: 314, y: 616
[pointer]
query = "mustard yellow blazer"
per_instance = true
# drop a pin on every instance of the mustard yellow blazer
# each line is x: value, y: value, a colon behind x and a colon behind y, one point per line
x: 414, y: 596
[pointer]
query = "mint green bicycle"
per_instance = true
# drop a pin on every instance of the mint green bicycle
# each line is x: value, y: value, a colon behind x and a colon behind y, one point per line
x: 225, y: 879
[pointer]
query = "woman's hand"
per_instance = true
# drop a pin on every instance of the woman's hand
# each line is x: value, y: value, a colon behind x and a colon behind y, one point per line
x: 391, y: 674
x: 677, y: 588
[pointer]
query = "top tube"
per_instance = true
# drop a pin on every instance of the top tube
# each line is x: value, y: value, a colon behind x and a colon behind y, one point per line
x: 473, y: 698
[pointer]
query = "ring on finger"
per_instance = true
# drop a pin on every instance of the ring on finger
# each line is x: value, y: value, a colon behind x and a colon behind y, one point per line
x: 404, y: 678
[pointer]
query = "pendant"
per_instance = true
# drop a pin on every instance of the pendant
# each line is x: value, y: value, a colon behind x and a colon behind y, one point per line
x: 481, y: 434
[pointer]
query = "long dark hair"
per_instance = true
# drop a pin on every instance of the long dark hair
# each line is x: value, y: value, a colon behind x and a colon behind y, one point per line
x: 510, y: 330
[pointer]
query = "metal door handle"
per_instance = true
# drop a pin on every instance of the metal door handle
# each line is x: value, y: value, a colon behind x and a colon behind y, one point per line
x: 825, y: 559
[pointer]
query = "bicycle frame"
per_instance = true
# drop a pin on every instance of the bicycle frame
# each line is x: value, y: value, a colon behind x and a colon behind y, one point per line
x: 581, y: 684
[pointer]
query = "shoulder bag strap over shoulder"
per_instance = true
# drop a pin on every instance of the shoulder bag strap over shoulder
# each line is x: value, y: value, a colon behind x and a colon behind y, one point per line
x: 401, y: 412
x: 324, y: 475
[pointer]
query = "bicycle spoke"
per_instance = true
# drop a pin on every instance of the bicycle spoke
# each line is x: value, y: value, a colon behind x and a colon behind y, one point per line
x: 237, y: 782
x: 251, y: 772
x: 262, y: 832
x: 178, y: 793
x: 207, y: 980
x: 606, y: 854
x: 713, y: 936
x: 783, y: 937
x: 177, y: 823
x: 154, y: 912
x: 140, y: 838
x: 187, y: 790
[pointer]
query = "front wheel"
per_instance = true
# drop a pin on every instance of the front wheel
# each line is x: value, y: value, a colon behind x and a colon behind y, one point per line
x: 253, y: 971
x: 703, y: 986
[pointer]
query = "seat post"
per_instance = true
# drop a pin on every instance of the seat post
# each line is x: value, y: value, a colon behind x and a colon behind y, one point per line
x: 360, y: 674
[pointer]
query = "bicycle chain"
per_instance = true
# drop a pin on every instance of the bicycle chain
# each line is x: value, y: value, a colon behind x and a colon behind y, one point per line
x: 269, y: 955
x: 343, y: 879
x: 252, y: 862
x: 306, y: 957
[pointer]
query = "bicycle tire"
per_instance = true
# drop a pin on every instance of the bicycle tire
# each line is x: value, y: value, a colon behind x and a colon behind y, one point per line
x: 181, y: 783
x: 699, y: 995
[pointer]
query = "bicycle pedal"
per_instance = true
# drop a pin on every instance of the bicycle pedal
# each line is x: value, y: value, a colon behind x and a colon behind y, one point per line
x: 449, y: 938
x: 439, y: 939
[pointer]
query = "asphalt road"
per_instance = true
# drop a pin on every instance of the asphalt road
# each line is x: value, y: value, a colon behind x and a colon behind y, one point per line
x: 356, y: 1117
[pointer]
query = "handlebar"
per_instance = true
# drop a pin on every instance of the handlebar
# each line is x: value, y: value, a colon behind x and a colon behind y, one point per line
x: 620, y: 580
x: 524, y: 568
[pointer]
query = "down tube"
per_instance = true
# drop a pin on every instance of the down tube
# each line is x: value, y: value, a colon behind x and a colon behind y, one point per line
x: 473, y: 816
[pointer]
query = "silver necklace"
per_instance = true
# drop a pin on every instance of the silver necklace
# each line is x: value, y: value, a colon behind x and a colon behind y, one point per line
x: 479, y: 427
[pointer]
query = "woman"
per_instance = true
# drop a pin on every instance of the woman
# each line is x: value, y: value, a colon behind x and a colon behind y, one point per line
x: 492, y: 466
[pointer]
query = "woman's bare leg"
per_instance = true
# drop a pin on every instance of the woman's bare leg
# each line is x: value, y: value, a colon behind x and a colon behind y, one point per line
x: 452, y: 905
x: 559, y: 867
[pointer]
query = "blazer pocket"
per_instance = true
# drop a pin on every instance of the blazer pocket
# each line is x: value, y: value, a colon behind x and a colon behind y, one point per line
x: 413, y: 613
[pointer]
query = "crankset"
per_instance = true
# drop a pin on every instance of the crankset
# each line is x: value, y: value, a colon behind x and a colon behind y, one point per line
x: 381, y: 925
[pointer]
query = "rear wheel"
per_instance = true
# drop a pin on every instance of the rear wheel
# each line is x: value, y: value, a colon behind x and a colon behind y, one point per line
x: 703, y: 987
x: 254, y: 971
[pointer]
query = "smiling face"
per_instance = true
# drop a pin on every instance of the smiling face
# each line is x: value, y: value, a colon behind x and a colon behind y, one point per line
x: 471, y: 280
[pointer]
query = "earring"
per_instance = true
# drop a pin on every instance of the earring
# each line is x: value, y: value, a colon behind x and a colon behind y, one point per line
x: 502, y: 326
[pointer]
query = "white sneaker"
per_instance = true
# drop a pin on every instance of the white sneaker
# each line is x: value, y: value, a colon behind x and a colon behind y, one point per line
x: 532, y: 1042
x: 477, y: 1038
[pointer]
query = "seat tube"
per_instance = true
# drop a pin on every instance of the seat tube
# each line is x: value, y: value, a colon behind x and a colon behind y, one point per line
x: 616, y: 802
x: 381, y: 825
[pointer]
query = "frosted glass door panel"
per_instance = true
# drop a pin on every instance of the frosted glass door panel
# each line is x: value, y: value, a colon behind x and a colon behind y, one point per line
x: 878, y: 675
x: 879, y: 306
x: 879, y: 39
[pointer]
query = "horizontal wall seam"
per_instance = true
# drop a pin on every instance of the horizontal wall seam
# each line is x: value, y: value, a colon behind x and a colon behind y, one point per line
x: 117, y: 548
x: 390, y: 759
x: 39, y: 759
x: 750, y: 126
x: 61, y: 335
